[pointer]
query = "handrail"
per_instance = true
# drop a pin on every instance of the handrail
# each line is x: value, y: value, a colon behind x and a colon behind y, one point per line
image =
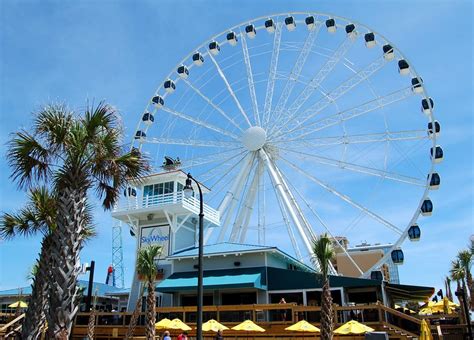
x: 11, y: 323
x: 389, y: 325
x: 400, y: 314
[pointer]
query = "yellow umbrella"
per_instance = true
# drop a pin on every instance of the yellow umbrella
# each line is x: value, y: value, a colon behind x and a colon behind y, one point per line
x: 178, y: 324
x: 249, y: 326
x: 303, y: 326
x: 353, y: 327
x: 213, y: 325
x: 18, y: 304
x: 425, y: 331
x: 162, y: 324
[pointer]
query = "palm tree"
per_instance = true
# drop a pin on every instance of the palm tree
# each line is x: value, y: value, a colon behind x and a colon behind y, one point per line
x: 134, y: 318
x: 38, y: 216
x: 75, y: 154
x: 147, y: 270
x: 447, y: 283
x: 323, y: 252
x: 458, y: 274
x: 465, y: 259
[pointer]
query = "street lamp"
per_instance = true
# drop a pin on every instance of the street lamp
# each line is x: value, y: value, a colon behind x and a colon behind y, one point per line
x: 188, y: 191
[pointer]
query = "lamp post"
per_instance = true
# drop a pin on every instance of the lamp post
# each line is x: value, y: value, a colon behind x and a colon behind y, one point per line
x: 188, y: 191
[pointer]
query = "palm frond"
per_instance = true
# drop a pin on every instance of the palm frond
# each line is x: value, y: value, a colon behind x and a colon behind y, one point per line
x: 323, y: 253
x: 146, y: 261
x: 52, y: 124
x: 29, y: 159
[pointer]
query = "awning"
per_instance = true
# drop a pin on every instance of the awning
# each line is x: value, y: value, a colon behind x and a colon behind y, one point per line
x: 407, y: 292
x: 180, y: 282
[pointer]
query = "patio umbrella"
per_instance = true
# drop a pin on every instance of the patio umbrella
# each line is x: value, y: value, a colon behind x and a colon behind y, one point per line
x: 162, y: 324
x: 178, y: 324
x: 425, y: 331
x: 213, y: 325
x: 353, y: 327
x: 303, y: 326
x: 18, y: 304
x: 249, y: 326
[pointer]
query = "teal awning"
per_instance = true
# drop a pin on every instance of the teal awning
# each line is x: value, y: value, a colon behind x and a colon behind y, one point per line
x: 176, y: 283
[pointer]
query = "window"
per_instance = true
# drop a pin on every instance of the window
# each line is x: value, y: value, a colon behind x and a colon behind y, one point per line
x: 158, y: 189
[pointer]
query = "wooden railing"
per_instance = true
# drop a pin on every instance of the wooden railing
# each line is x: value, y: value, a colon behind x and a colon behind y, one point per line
x: 272, y: 317
x: 14, y: 326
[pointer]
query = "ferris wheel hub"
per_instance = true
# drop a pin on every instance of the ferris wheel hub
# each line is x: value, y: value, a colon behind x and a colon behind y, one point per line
x: 254, y: 138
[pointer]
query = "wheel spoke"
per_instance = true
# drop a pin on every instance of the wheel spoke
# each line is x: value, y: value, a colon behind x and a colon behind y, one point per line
x: 323, y: 72
x: 229, y: 88
x: 346, y: 115
x: 331, y: 97
x: 248, y: 67
x: 295, y: 73
x: 193, y: 142
x: 210, y: 102
x: 200, y: 123
x: 346, y: 198
x: 359, y: 168
x: 207, y: 159
x: 271, y: 77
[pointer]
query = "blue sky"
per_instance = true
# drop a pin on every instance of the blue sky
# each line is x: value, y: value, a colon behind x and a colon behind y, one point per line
x: 119, y: 51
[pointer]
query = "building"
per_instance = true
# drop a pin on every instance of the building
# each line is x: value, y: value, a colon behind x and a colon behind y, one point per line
x: 108, y: 297
x: 234, y: 273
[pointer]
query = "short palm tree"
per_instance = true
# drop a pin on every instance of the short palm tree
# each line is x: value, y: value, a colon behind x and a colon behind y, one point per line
x: 147, y: 269
x: 323, y: 252
x: 465, y: 259
x: 38, y: 216
x: 73, y: 154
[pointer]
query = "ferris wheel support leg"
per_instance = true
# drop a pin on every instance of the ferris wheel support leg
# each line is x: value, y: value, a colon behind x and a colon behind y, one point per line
x: 231, y: 197
x: 243, y: 217
x: 291, y: 209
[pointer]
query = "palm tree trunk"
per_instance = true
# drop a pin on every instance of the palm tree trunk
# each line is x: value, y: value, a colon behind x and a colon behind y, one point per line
x: 91, y: 324
x: 150, y: 312
x: 326, y: 312
x: 134, y: 318
x: 38, y: 304
x: 67, y: 243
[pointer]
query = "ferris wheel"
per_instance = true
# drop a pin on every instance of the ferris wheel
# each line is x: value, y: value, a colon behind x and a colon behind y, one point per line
x: 301, y: 124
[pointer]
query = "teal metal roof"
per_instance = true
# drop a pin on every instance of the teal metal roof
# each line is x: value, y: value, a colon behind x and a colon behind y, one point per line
x: 221, y: 248
x: 102, y: 289
x: 215, y: 279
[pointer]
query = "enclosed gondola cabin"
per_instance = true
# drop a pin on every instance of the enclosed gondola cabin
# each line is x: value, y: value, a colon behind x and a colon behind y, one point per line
x: 427, y: 106
x: 140, y: 136
x: 183, y: 72
x: 169, y: 86
x: 434, y: 128
x: 397, y: 256
x: 214, y: 47
x: 414, y: 233
x: 427, y: 207
x: 417, y: 85
x: 376, y: 275
x: 403, y: 67
x: 250, y: 30
x: 331, y: 25
x: 232, y: 38
x: 270, y: 25
x: 369, y: 40
x: 388, y: 52
x: 198, y: 59
x: 148, y: 118
x: 158, y: 101
x: 435, y: 181
x: 351, y: 31
x: 437, y: 154
x: 290, y: 23
x: 310, y: 23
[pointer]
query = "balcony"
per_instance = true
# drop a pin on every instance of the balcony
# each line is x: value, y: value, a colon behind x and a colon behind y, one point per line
x: 175, y: 203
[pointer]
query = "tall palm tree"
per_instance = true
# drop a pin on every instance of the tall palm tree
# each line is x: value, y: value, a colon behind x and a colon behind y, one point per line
x: 323, y: 252
x: 134, y: 318
x: 37, y: 216
x: 458, y: 274
x: 75, y: 154
x: 147, y: 270
x: 447, y: 283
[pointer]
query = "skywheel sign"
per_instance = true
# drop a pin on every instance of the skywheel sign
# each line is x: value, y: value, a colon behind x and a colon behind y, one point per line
x: 156, y: 235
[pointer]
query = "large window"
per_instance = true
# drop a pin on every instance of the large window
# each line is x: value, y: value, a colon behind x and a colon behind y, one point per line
x: 239, y: 298
x: 158, y: 189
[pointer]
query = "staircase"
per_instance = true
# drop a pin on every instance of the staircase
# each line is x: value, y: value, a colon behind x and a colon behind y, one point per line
x: 12, y: 329
x: 395, y: 332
